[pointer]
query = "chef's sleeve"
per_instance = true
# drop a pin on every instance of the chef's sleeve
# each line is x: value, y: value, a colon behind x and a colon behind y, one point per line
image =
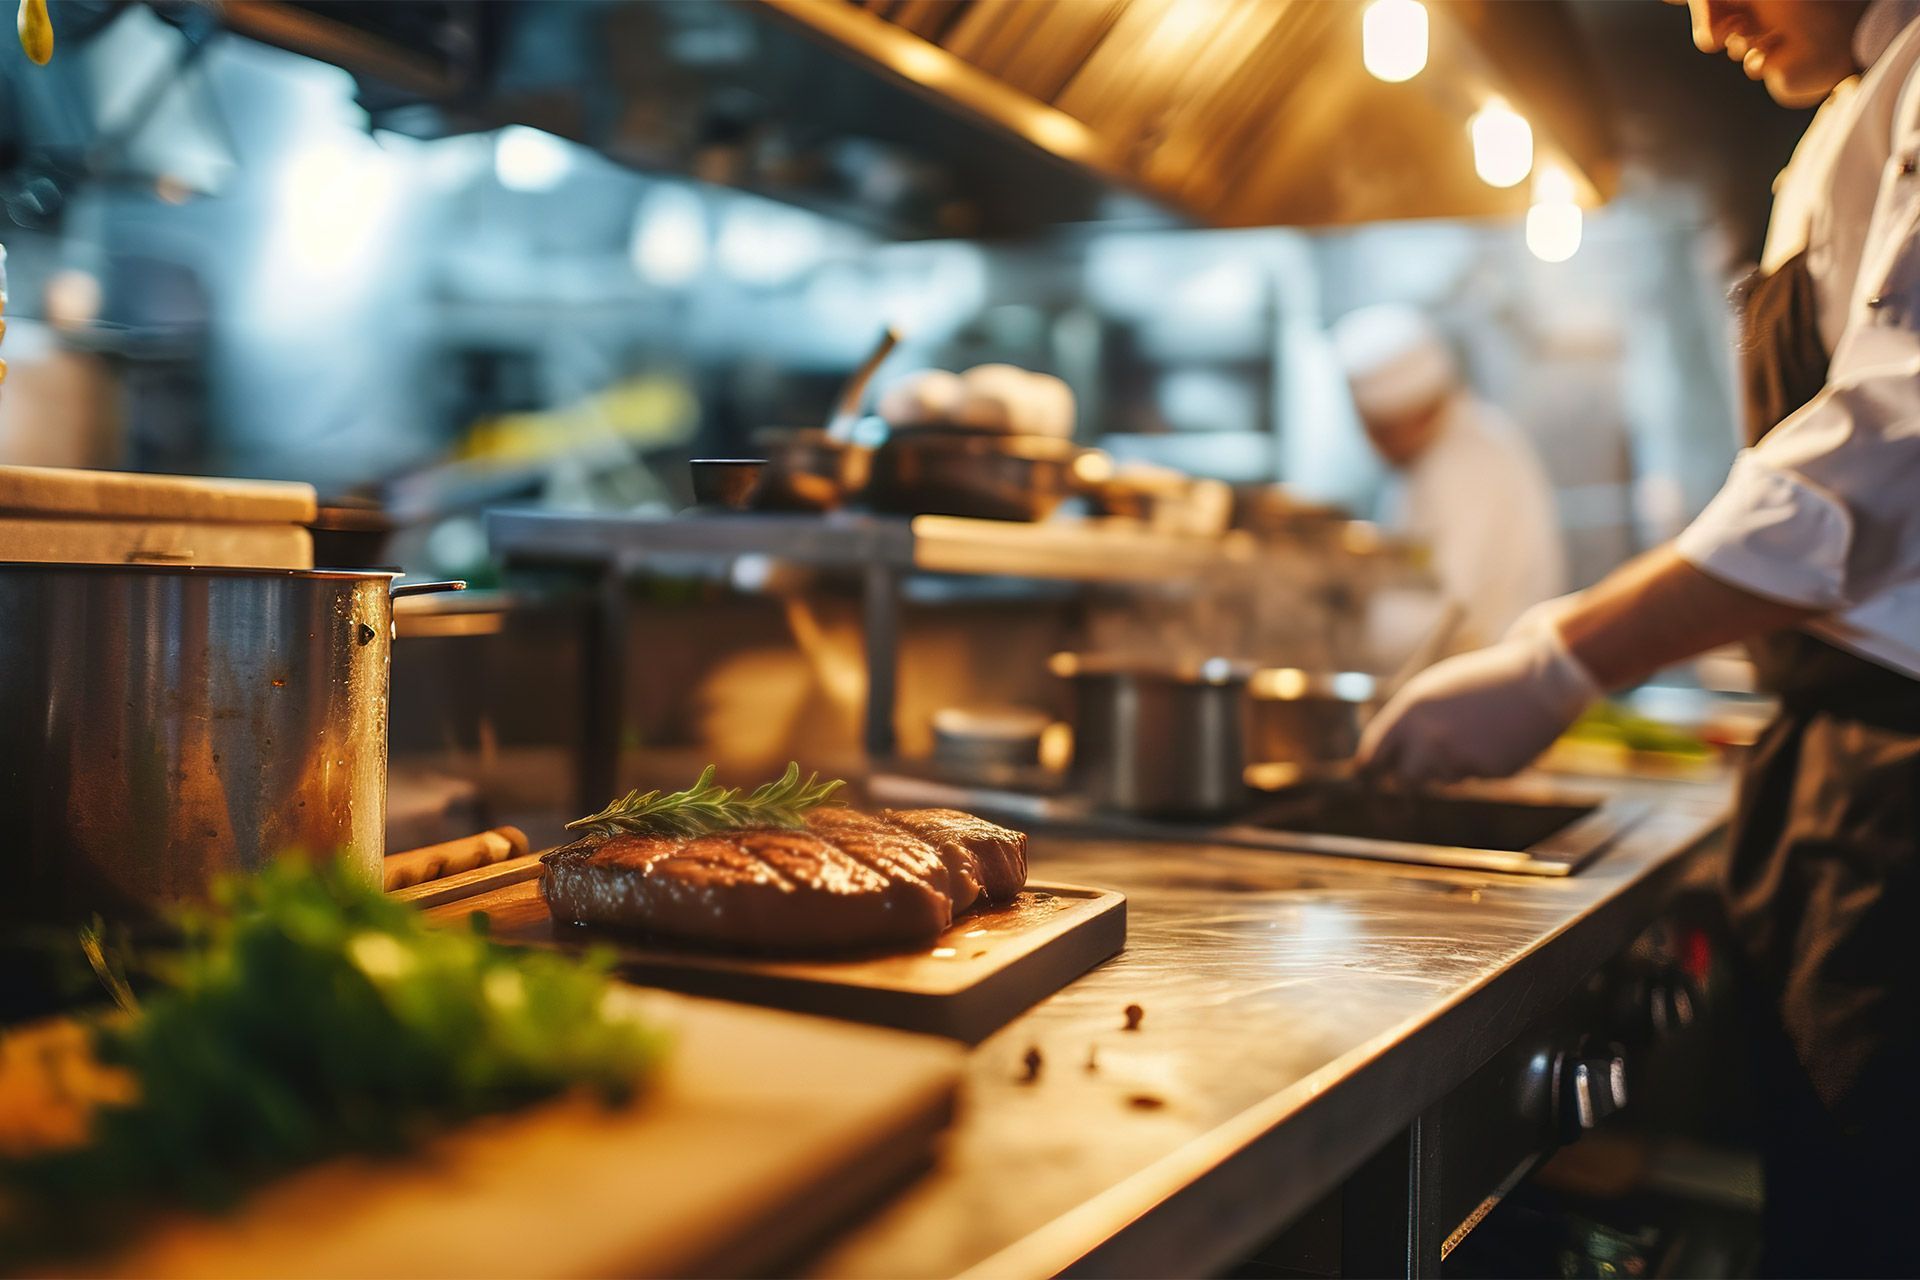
x: 1825, y: 511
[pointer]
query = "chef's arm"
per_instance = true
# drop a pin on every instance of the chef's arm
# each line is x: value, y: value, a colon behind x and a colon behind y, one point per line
x: 1487, y: 713
x: 1657, y: 610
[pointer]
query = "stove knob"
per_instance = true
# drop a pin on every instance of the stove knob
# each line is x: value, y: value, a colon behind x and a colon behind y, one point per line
x: 1594, y: 1087
x: 1672, y: 1006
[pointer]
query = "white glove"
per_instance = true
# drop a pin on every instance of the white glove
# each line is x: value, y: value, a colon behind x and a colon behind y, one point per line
x: 1483, y: 714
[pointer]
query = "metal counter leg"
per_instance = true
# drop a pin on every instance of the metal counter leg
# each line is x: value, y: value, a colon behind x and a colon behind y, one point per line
x: 880, y: 607
x: 603, y: 694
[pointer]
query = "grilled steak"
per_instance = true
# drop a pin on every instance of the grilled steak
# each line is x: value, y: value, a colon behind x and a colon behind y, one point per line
x: 996, y: 855
x: 849, y: 881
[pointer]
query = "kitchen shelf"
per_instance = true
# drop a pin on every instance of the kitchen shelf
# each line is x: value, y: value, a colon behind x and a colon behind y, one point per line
x: 1091, y: 551
x: 884, y: 550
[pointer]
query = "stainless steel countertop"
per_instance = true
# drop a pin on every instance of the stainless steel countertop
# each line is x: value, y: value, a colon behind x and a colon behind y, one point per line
x: 1299, y: 1011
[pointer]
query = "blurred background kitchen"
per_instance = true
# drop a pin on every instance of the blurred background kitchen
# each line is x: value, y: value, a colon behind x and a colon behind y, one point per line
x: 437, y: 258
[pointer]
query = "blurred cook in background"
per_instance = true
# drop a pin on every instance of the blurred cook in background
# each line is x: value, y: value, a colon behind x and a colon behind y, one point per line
x: 1470, y: 485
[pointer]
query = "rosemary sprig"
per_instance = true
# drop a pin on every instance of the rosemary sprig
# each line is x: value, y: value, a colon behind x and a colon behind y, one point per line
x: 705, y: 807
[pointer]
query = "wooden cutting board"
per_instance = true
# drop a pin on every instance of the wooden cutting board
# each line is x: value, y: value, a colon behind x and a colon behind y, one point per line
x: 136, y: 541
x: 119, y: 495
x: 978, y: 976
x: 763, y: 1132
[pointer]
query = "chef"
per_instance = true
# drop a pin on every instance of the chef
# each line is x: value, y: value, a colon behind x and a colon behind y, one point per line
x: 1811, y: 553
x: 1470, y: 486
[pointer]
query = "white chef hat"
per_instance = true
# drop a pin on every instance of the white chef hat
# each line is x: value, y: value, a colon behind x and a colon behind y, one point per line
x: 1395, y: 360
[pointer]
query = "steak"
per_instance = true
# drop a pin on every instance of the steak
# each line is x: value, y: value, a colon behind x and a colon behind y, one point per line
x: 847, y: 881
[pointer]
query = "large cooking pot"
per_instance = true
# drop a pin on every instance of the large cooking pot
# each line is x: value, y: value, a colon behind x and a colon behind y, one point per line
x: 1158, y: 740
x: 160, y: 725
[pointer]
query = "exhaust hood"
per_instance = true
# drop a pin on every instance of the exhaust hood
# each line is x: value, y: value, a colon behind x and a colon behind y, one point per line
x: 991, y: 117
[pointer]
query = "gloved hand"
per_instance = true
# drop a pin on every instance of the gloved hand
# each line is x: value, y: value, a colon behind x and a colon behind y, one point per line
x: 1481, y: 714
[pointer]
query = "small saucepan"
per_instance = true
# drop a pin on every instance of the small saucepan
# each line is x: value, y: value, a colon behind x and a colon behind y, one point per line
x: 1307, y: 717
x: 1158, y: 740
x: 809, y: 470
x: 727, y: 484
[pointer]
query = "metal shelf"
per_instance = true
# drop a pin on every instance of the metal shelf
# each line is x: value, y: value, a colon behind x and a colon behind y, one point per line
x: 1089, y: 551
x: 884, y: 550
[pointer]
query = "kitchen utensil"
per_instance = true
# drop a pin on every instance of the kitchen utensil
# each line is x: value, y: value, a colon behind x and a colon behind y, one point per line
x: 164, y: 725
x: 473, y: 882
x: 935, y: 471
x: 727, y: 484
x: 450, y: 857
x: 1306, y: 717
x: 1312, y: 720
x: 809, y: 470
x: 760, y: 1133
x: 964, y: 736
x: 993, y: 964
x: 1167, y: 741
x: 846, y: 410
x: 351, y: 535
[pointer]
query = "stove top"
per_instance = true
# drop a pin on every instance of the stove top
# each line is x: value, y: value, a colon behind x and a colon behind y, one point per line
x: 1528, y: 828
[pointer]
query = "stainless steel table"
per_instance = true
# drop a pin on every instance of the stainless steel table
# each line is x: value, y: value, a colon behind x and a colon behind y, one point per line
x: 1300, y: 1013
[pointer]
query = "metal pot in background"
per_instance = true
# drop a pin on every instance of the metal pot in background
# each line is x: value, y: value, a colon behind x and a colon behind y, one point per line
x: 809, y: 470
x: 948, y: 472
x: 1307, y: 717
x: 162, y: 725
x: 1161, y: 741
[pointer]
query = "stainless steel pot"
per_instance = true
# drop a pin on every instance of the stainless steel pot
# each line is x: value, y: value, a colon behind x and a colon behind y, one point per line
x: 160, y: 725
x: 1165, y: 741
x: 1307, y: 717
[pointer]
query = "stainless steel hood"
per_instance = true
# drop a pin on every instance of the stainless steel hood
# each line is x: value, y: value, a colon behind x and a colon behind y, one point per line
x: 1240, y: 112
x: 988, y: 117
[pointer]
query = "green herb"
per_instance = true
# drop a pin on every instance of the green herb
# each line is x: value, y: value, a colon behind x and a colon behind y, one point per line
x: 1612, y: 724
x: 704, y: 807
x: 309, y: 1014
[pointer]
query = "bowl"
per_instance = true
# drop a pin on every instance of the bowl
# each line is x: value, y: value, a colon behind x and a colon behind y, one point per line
x: 729, y: 484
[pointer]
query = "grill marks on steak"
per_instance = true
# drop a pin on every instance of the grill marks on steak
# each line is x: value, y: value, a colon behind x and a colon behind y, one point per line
x: 997, y: 856
x: 848, y: 881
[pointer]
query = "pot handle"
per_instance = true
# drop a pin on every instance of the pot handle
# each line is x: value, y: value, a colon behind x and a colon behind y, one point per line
x: 424, y: 588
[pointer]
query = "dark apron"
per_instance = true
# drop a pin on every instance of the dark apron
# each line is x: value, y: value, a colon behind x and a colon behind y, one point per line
x: 1823, y: 893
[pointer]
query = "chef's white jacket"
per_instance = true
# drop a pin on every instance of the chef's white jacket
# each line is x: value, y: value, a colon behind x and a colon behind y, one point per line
x: 1825, y: 512
x: 1479, y: 498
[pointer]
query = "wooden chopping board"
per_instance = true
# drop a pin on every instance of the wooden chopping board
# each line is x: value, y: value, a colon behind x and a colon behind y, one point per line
x: 762, y: 1132
x: 978, y: 976
x: 219, y: 545
x: 119, y: 495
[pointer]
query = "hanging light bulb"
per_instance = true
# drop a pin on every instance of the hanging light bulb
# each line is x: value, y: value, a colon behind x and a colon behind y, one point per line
x: 1554, y: 220
x: 1393, y: 39
x: 1502, y: 144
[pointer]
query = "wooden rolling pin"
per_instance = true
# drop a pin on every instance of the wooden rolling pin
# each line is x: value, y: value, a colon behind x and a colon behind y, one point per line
x: 431, y: 862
